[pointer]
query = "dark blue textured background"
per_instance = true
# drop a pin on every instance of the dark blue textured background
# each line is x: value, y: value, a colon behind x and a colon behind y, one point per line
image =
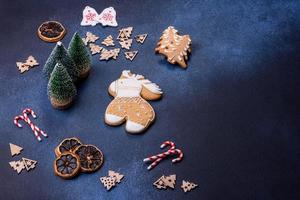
x: 234, y: 112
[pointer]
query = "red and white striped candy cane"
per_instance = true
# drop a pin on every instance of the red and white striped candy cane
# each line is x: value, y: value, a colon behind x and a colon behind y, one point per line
x: 157, y: 158
x: 36, y: 130
x: 30, y: 111
x: 168, y: 143
x: 179, y: 155
x: 16, y: 120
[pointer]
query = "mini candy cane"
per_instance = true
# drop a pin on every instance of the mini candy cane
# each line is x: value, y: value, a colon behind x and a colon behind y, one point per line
x: 157, y: 158
x: 36, y: 130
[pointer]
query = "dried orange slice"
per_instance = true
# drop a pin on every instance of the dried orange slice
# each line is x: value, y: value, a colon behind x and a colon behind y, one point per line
x: 91, y: 158
x: 67, y: 165
x: 51, y: 31
x: 67, y: 145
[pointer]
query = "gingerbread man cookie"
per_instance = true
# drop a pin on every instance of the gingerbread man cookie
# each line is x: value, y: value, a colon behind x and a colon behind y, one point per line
x: 130, y: 93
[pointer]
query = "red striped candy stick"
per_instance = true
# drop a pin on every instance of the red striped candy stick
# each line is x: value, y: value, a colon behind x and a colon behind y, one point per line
x: 36, y: 130
x: 157, y: 158
x: 179, y: 155
x: 30, y: 111
x: 168, y: 143
x: 16, y: 120
x: 162, y: 155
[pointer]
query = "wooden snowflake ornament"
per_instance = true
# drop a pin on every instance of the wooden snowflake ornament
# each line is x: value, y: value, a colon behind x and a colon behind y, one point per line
x: 175, y: 47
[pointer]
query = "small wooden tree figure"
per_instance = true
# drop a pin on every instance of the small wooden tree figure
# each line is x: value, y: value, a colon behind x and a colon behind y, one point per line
x: 80, y: 55
x: 60, y: 54
x: 61, y: 89
x: 175, y: 47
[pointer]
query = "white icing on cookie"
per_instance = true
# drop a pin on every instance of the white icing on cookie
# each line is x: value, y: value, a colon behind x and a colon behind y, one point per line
x: 113, y: 119
x: 133, y: 127
x: 144, y: 82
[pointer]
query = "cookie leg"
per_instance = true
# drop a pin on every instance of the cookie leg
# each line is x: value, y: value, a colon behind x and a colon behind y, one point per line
x: 133, y: 127
x: 113, y: 119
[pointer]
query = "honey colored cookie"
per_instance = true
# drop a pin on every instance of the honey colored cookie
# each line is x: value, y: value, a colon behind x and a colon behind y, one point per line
x: 51, y: 31
x: 90, y: 157
x: 176, y: 48
x: 66, y: 165
x: 129, y: 105
x: 67, y: 145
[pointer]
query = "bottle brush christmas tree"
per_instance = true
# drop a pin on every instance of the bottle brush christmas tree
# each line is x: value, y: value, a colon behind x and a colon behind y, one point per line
x: 80, y: 55
x: 61, y: 89
x: 60, y: 54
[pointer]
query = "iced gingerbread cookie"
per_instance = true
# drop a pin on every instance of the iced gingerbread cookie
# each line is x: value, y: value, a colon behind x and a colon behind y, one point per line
x: 130, y: 93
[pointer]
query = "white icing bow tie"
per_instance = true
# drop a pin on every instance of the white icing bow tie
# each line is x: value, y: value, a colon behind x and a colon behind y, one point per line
x: 107, y: 17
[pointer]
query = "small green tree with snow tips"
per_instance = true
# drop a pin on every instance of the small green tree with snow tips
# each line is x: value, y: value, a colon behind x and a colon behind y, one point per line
x: 80, y: 54
x: 60, y: 54
x: 61, y: 89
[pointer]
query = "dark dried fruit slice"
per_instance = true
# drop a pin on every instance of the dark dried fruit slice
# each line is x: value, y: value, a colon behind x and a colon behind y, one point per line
x: 91, y: 158
x: 67, y: 165
x: 51, y: 31
x: 67, y: 145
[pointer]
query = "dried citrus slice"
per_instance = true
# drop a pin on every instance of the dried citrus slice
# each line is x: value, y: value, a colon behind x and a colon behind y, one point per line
x: 67, y: 165
x: 67, y: 145
x: 91, y: 158
x: 51, y: 31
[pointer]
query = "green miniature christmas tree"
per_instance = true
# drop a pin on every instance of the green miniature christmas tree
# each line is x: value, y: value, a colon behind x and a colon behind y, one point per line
x: 60, y: 54
x: 61, y: 89
x: 80, y: 55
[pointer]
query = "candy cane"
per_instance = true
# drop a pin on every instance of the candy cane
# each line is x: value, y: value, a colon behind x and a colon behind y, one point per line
x: 179, y: 153
x: 168, y: 143
x: 16, y: 120
x: 157, y: 158
x: 36, y: 130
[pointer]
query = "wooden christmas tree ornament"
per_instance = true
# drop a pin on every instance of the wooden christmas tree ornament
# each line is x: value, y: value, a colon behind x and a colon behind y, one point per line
x: 126, y: 44
x: 95, y: 49
x: 15, y: 149
x: 108, y: 41
x: 29, y: 164
x: 108, y: 182
x: 117, y: 176
x: 18, y: 166
x: 130, y: 55
x: 188, y: 186
x: 159, y: 183
x: 125, y: 33
x: 141, y: 38
x: 169, y: 181
x: 31, y: 61
x: 90, y: 37
x: 174, y: 47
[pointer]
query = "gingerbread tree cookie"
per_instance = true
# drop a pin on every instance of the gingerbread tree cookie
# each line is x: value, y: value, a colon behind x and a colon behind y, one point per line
x: 131, y: 92
x: 174, y: 46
